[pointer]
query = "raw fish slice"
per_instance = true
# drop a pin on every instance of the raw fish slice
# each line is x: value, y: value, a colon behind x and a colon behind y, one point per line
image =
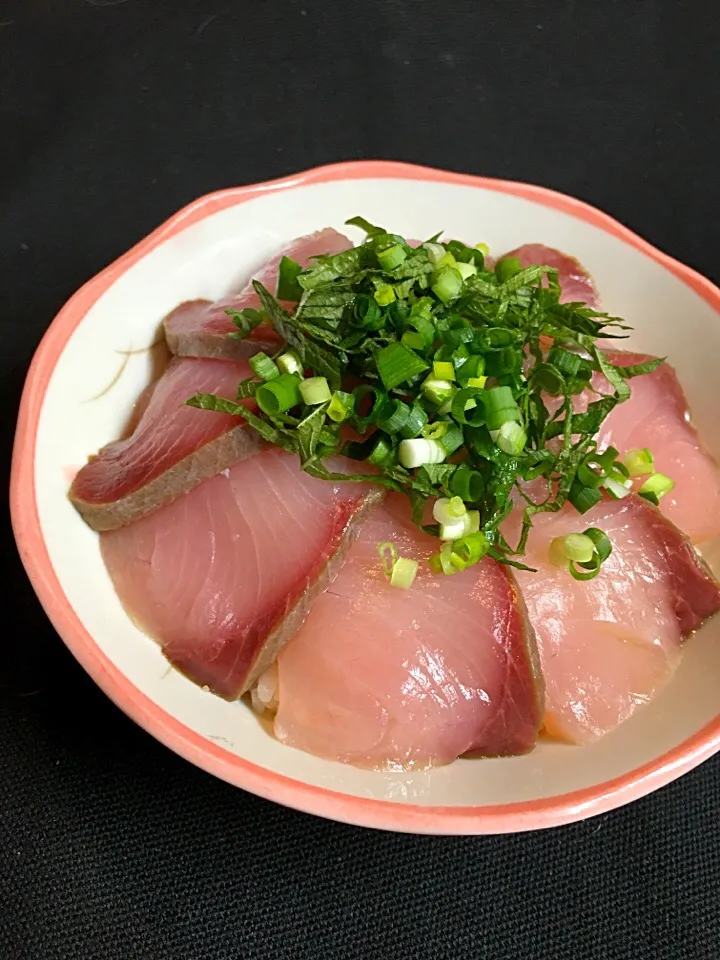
x: 576, y: 284
x: 608, y: 645
x: 200, y: 328
x: 657, y: 416
x: 224, y: 575
x: 378, y: 676
x: 172, y: 448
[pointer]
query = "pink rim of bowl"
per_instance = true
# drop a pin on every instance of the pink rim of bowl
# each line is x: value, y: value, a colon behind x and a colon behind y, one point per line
x: 504, y: 818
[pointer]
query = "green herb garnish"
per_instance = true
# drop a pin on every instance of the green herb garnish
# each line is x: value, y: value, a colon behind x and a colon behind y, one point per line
x: 446, y: 370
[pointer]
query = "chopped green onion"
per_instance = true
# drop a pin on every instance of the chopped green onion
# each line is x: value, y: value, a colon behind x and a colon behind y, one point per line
x: 279, y: 395
x: 473, y: 521
x: 452, y: 440
x: 465, y: 408
x: 466, y: 269
x: 263, y: 367
x: 403, y: 574
x: 289, y: 362
x: 436, y: 251
x: 382, y: 451
x: 457, y: 337
x: 288, y: 287
x: 460, y: 357
x: 245, y: 320
x: 443, y: 370
x: 392, y: 257
x: 556, y: 552
x: 617, y: 486
x: 655, y: 487
x: 384, y: 294
x: 471, y: 548
x: 587, y: 574
x: 366, y: 312
x: 315, y: 390
x: 583, y: 498
x: 500, y: 407
x: 454, y: 529
x: 397, y: 312
x: 582, y: 553
x: 448, y: 510
x: 608, y: 460
x: 448, y: 284
x: 394, y: 416
x: 575, y: 546
x: 379, y: 399
x: 415, y: 422
x: 506, y: 268
x: 639, y: 463
x: 396, y: 364
x: 446, y: 561
x: 435, y: 431
x: 415, y: 453
x: 468, y: 484
x: 600, y: 539
x: 413, y: 340
x: 387, y: 552
x: 590, y: 472
x: 444, y: 351
x: 512, y: 438
x: 503, y: 362
x: 473, y: 367
x: 341, y: 406
x: 455, y: 507
x: 603, y: 549
x: 438, y: 391
x: 435, y: 335
x: 423, y: 325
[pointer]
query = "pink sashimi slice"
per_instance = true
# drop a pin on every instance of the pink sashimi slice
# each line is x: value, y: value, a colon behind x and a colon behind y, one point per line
x: 379, y: 676
x: 200, y: 328
x: 576, y: 284
x: 608, y: 645
x: 657, y: 416
x: 222, y: 576
x: 172, y: 448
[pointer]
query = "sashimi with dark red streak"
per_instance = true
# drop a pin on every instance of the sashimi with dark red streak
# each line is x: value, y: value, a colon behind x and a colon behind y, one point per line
x: 224, y: 575
x: 172, y: 448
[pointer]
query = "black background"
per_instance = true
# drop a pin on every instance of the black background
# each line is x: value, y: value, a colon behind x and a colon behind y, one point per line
x: 112, y: 116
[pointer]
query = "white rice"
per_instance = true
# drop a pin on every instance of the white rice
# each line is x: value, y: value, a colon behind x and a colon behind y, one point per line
x: 263, y: 695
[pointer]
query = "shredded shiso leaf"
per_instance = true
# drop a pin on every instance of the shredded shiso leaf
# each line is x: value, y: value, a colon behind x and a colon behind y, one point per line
x: 437, y: 371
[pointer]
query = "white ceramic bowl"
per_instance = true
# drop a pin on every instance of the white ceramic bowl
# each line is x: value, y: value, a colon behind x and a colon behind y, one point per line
x: 207, y: 250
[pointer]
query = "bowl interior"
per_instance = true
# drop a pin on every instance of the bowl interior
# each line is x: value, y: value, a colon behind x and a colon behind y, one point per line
x: 94, y: 386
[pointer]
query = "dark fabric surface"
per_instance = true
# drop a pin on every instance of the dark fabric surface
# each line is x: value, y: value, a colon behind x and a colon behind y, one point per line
x: 113, y: 115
